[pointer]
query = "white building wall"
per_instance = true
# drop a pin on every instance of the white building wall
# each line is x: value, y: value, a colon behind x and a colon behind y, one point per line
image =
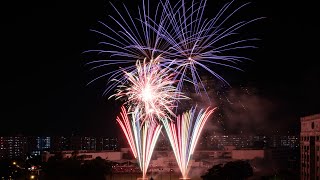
x: 247, y: 154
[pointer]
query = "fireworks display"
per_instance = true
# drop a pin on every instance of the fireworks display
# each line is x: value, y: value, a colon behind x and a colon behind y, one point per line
x: 184, y: 134
x: 158, y: 53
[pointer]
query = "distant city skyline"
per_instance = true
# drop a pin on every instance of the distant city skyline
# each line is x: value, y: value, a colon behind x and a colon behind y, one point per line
x: 22, y: 146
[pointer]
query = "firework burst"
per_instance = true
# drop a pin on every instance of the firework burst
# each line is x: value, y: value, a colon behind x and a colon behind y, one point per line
x: 178, y: 35
x: 130, y: 38
x: 151, y: 90
x: 202, y: 43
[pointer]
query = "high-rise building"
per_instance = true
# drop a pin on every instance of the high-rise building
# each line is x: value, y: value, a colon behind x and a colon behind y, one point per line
x: 215, y: 142
x: 75, y: 142
x: 37, y: 144
x: 310, y: 147
x: 24, y: 146
x: 106, y: 143
x: 13, y: 147
x: 60, y: 143
x: 277, y: 141
x: 88, y: 143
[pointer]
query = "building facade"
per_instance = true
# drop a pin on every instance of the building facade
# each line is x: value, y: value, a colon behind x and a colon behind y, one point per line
x: 37, y: 144
x: 13, y: 147
x: 309, y: 147
x: 25, y: 146
x: 87, y: 155
x: 89, y: 143
x: 218, y: 142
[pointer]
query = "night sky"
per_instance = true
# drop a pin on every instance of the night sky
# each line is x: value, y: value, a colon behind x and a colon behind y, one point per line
x: 43, y: 77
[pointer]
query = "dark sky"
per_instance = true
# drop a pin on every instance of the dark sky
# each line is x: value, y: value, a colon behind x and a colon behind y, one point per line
x: 43, y: 78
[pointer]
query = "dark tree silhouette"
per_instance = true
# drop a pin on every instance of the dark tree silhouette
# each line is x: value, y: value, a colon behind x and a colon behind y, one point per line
x: 96, y: 169
x: 234, y: 170
x: 76, y: 169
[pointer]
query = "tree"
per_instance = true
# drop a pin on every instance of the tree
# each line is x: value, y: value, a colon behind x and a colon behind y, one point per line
x: 96, y: 168
x: 59, y: 168
x: 77, y: 169
x: 234, y: 170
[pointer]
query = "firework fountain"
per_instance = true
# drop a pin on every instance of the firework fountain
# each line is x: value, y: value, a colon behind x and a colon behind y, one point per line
x: 142, y: 138
x: 184, y: 134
